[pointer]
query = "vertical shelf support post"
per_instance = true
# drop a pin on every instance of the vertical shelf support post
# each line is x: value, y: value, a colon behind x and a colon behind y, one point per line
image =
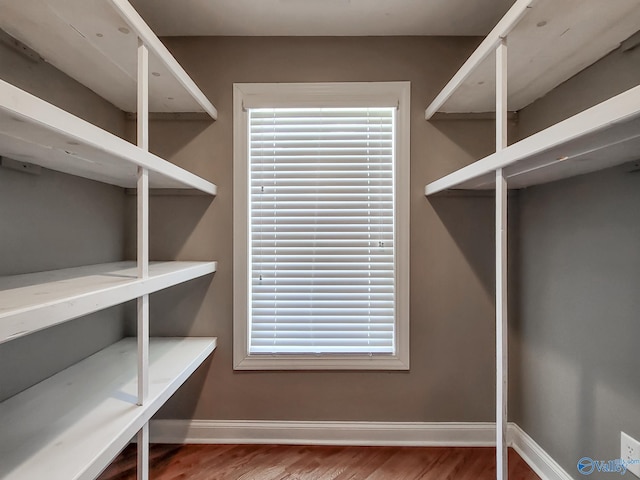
x: 143, y: 254
x: 143, y: 453
x: 143, y: 220
x: 502, y: 358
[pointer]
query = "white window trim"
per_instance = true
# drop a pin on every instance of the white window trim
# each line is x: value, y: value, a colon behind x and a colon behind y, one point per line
x: 352, y: 94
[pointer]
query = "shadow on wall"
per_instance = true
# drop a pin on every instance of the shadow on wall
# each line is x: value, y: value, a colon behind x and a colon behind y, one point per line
x: 468, y: 218
x: 173, y: 221
x: 177, y: 224
x: 175, y: 137
x: 457, y: 147
x: 33, y: 358
x: 183, y: 133
x: 465, y: 218
x: 176, y: 312
x: 188, y: 396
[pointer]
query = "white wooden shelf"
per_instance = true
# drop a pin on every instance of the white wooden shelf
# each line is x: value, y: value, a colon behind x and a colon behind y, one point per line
x: 95, y: 42
x: 34, y: 131
x: 70, y: 426
x: 605, y: 135
x: 35, y: 301
x: 549, y: 42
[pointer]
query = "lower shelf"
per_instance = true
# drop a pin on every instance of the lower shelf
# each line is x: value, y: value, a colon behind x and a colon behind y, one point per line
x: 73, y: 424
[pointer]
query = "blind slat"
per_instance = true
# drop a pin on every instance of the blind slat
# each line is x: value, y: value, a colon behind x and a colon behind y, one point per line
x: 322, y: 231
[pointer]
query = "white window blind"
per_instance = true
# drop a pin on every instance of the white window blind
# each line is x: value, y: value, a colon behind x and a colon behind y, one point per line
x: 321, y: 220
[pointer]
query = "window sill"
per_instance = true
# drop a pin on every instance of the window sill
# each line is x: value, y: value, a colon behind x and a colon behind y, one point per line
x: 320, y: 362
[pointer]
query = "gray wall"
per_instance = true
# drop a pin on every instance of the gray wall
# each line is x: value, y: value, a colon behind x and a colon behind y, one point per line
x: 615, y: 73
x: 452, y: 351
x: 576, y: 361
x: 54, y: 221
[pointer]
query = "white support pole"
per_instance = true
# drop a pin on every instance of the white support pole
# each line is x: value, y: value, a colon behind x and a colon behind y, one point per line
x: 501, y: 326
x: 143, y: 255
x: 501, y: 268
x: 143, y: 452
x: 143, y: 173
x: 143, y: 221
x: 143, y: 348
x: 501, y: 95
x: 143, y: 272
x: 143, y: 96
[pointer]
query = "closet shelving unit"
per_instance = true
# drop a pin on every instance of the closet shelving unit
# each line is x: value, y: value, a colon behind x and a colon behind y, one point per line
x: 602, y: 136
x: 71, y: 425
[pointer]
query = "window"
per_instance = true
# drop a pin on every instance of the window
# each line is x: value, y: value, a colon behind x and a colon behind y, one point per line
x: 321, y: 234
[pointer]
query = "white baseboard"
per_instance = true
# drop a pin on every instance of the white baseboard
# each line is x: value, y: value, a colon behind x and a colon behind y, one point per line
x: 323, y: 433
x: 540, y: 461
x: 356, y: 433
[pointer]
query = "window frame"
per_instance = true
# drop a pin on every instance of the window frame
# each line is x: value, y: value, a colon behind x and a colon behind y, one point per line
x: 351, y: 94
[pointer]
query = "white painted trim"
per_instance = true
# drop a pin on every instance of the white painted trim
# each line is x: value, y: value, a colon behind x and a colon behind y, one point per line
x: 345, y: 94
x: 402, y: 215
x: 323, y: 433
x: 326, y: 94
x: 241, y: 273
x: 486, y: 48
x: 409, y: 434
x: 540, y: 461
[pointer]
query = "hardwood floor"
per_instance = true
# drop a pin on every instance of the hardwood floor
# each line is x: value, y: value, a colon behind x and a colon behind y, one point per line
x: 278, y: 462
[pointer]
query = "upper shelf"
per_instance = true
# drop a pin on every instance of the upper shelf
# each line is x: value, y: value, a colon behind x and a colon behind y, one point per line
x: 95, y: 42
x: 549, y: 41
x: 34, y: 301
x: 70, y: 426
x: 605, y: 135
x: 34, y: 131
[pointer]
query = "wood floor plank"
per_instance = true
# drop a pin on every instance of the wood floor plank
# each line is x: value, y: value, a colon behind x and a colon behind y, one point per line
x: 280, y: 462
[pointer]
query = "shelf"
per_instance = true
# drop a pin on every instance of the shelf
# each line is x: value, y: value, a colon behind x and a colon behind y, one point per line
x: 35, y: 301
x: 95, y: 42
x: 548, y: 41
x: 603, y: 136
x: 34, y: 131
x: 71, y: 426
